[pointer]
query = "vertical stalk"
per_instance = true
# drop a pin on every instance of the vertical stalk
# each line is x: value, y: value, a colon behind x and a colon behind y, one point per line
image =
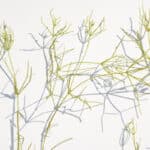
x: 12, y: 122
x: 46, y: 128
x: 17, y: 123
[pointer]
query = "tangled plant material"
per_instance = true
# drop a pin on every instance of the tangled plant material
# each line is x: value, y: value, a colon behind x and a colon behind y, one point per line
x: 121, y: 76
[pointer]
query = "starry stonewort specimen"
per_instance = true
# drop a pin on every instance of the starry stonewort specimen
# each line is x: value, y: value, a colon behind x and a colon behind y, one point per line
x: 65, y: 91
